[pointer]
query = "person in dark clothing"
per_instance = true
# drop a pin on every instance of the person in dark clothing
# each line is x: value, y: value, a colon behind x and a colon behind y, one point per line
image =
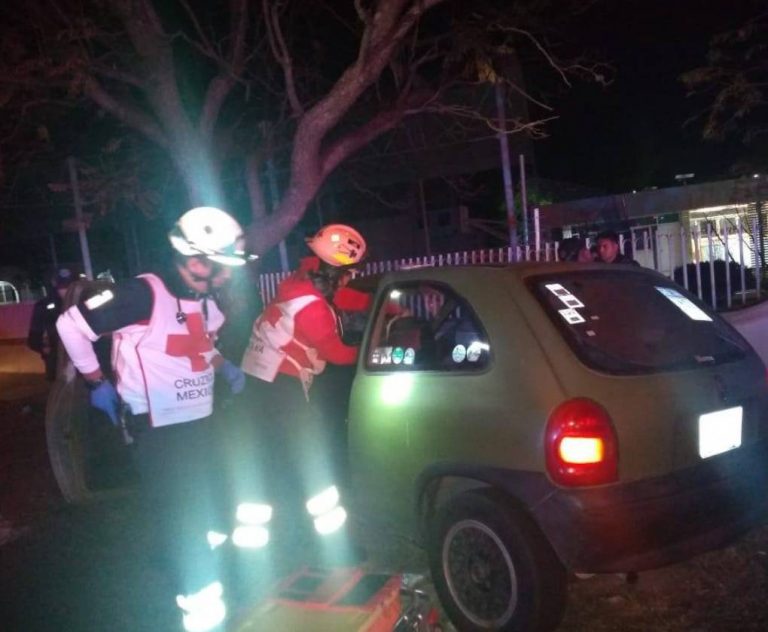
x: 43, y: 337
x: 574, y: 249
x: 608, y: 249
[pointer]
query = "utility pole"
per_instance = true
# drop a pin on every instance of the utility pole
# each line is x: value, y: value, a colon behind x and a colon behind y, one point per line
x: 425, y: 218
x: 506, y: 167
x: 79, y: 218
x: 524, y: 198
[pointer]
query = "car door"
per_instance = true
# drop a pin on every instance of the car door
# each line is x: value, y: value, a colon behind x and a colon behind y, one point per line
x: 418, y: 385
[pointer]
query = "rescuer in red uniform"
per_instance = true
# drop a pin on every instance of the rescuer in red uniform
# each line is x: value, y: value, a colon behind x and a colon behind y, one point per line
x: 291, y: 342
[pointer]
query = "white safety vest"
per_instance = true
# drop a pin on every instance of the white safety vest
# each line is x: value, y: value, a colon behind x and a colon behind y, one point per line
x: 266, y: 347
x: 163, y: 366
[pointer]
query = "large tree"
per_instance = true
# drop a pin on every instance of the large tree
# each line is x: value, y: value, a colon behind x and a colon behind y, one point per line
x: 308, y: 82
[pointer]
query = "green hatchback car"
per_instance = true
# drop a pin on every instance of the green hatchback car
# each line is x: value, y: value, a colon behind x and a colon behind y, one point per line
x: 533, y: 420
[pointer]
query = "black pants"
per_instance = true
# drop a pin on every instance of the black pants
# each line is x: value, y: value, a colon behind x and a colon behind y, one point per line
x: 49, y: 359
x: 283, y: 446
x: 178, y: 467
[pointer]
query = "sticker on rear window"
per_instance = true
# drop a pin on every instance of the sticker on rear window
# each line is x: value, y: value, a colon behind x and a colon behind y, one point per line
x: 397, y: 355
x: 684, y: 304
x: 564, y: 295
x: 410, y: 355
x: 571, y: 316
x: 459, y: 353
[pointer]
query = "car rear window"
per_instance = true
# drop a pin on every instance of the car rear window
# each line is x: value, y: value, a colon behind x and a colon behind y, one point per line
x: 626, y: 322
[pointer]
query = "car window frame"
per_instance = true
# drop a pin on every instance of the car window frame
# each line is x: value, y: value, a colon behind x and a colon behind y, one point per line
x: 377, y: 321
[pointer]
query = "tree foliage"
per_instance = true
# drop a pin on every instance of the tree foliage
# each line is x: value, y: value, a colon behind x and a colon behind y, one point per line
x: 223, y: 89
x: 734, y: 81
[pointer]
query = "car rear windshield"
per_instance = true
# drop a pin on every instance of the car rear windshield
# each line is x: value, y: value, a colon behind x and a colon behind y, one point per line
x: 627, y: 322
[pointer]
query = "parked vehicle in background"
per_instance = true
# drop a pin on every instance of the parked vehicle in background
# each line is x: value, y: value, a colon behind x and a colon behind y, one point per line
x: 8, y: 293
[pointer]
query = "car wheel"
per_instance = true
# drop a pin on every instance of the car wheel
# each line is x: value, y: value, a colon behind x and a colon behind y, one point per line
x: 492, y: 567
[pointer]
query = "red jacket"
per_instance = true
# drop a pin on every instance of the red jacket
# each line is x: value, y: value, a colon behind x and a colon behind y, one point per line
x: 316, y: 325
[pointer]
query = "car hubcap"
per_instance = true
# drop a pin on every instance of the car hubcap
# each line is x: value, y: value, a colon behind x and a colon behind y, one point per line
x: 480, y: 575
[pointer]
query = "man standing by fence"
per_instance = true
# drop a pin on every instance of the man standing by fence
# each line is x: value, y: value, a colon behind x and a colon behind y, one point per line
x: 608, y: 249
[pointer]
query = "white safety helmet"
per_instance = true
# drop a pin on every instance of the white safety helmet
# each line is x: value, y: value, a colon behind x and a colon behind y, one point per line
x: 338, y: 245
x: 210, y: 232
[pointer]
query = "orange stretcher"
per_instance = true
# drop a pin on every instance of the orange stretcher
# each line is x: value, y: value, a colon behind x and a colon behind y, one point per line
x: 340, y: 600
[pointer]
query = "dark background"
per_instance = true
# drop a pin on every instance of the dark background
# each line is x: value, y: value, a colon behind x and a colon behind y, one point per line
x: 642, y: 130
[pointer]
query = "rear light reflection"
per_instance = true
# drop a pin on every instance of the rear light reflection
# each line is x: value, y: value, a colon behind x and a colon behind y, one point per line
x: 581, y: 445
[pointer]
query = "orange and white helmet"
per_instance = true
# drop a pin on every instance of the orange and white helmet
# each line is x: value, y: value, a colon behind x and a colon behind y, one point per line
x: 210, y: 232
x: 338, y: 245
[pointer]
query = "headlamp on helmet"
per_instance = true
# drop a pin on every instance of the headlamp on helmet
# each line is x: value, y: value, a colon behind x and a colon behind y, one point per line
x: 210, y: 232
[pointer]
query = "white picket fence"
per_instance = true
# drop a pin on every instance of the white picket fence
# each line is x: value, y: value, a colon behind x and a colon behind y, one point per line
x: 269, y: 281
x: 697, y: 256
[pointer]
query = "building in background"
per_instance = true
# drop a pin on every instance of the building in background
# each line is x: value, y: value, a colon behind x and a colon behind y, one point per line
x: 667, y: 228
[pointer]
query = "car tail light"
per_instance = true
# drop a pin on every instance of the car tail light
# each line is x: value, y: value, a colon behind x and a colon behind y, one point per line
x: 581, y: 445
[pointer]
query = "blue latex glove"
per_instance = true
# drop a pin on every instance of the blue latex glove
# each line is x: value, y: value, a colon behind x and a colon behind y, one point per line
x: 105, y: 398
x: 234, y: 376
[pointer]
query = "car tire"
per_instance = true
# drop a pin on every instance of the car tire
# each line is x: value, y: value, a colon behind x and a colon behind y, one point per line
x: 492, y: 567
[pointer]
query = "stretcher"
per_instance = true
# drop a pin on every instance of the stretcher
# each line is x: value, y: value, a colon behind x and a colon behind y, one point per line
x: 341, y: 600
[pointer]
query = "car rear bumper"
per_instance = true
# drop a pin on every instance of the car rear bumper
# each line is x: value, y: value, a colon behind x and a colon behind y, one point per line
x: 651, y: 523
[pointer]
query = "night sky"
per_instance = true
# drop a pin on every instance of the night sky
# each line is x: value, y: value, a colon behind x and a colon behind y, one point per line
x: 629, y: 135
x: 632, y: 134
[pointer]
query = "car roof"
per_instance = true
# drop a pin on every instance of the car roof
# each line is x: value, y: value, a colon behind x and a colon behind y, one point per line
x: 520, y: 270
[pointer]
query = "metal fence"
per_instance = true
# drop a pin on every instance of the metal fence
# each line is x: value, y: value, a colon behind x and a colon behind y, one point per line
x: 723, y: 267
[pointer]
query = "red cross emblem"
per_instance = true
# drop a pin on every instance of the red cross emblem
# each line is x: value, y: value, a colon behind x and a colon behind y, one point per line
x: 192, y: 345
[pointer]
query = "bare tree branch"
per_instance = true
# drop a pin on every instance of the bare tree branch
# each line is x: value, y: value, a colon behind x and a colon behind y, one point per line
x: 153, y: 45
x: 527, y: 95
x: 281, y: 53
x: 391, y: 21
x: 362, y: 12
x: 540, y: 47
x: 397, y: 206
x: 118, y: 75
x: 513, y: 125
x: 127, y: 114
x: 221, y: 86
x: 352, y: 142
x: 204, y: 43
x: 325, y: 114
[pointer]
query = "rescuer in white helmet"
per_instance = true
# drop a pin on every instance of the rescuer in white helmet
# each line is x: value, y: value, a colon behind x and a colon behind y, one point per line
x: 290, y: 344
x: 165, y: 362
